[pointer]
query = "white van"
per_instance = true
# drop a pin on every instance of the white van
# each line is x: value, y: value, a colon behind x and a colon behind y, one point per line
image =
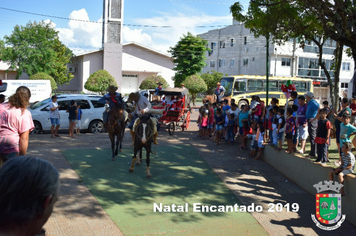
x: 40, y: 89
x: 91, y: 116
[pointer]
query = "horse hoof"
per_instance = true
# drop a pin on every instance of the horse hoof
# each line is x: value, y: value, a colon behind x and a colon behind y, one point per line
x: 113, y: 159
x: 149, y: 176
x: 120, y: 150
x: 138, y: 163
x: 130, y: 170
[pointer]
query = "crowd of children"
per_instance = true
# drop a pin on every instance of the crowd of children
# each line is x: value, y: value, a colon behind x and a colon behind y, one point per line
x: 271, y: 125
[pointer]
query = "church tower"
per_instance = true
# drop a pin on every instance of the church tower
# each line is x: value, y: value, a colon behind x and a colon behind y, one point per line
x: 112, y: 38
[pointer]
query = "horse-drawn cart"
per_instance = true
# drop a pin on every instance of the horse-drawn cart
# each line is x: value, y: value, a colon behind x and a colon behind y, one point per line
x: 177, y: 114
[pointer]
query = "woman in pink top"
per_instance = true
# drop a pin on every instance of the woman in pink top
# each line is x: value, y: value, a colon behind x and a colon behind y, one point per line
x: 204, y: 123
x: 15, y: 125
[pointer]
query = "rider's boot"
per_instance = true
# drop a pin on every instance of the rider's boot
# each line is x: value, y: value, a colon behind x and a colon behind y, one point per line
x: 155, y: 138
x: 105, y: 128
x: 133, y: 138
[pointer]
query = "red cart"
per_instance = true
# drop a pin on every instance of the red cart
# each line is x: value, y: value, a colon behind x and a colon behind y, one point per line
x: 176, y: 114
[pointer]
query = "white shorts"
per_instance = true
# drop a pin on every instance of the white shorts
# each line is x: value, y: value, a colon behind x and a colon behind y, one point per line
x: 79, y: 124
x: 303, y: 132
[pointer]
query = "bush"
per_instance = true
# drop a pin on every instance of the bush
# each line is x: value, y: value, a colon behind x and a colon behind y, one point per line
x: 44, y: 76
x: 151, y: 82
x: 195, y: 84
x: 211, y: 78
x: 99, y: 81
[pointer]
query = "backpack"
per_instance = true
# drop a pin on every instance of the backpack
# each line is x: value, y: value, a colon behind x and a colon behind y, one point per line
x: 283, y: 121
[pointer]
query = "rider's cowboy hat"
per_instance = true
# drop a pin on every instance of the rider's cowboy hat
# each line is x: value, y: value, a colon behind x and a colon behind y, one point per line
x: 159, y: 83
x: 112, y: 88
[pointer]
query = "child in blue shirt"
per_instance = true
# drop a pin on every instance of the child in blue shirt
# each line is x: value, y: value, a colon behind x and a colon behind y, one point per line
x: 230, y: 129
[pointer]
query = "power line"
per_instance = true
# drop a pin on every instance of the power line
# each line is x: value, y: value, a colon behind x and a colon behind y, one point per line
x: 100, y: 22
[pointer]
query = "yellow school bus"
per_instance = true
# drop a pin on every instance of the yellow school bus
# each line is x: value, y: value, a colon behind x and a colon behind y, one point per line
x: 243, y: 87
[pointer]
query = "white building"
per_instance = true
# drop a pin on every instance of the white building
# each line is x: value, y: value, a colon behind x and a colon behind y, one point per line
x: 138, y: 63
x: 235, y: 51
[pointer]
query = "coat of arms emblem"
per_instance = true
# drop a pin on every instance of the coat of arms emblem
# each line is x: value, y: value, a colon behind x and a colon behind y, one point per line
x: 328, y: 205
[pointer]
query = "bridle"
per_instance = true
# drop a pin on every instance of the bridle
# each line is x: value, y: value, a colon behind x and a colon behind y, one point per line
x: 148, y: 126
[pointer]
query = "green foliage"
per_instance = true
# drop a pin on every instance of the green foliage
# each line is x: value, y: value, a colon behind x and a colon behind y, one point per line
x: 36, y: 48
x: 99, y: 81
x: 44, y: 76
x: 211, y: 78
x: 151, y: 82
x: 304, y: 20
x: 195, y: 84
x: 188, y: 56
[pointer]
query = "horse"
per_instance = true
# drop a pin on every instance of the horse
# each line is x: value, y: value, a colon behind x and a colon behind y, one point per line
x: 116, y: 128
x: 209, y: 98
x: 143, y: 139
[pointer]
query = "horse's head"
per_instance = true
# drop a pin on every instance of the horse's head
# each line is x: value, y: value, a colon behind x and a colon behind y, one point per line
x: 145, y: 129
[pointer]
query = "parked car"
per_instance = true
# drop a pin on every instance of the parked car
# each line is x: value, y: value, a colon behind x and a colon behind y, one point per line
x: 91, y: 108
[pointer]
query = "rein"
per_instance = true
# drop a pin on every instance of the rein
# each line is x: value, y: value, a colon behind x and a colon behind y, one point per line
x: 150, y: 136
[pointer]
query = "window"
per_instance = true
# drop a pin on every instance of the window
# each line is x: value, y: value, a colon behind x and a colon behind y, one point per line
x: 255, y: 85
x: 272, y: 86
x: 285, y: 61
x: 222, y: 44
x: 63, y: 105
x: 346, y: 66
x: 245, y: 40
x: 212, y: 64
x: 212, y: 48
x: 232, y: 62
x: 232, y: 43
x: 84, y: 104
x: 96, y: 104
x: 222, y: 63
x: 344, y: 85
x: 240, y: 86
x: 244, y: 62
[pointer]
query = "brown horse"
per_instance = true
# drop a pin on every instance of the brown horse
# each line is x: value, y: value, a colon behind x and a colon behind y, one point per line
x: 209, y: 98
x: 116, y: 128
x: 143, y: 139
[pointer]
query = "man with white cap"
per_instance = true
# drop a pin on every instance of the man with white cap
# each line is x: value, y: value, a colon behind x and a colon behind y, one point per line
x: 312, y: 110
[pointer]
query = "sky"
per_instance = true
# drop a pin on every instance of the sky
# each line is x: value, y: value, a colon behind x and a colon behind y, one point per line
x: 148, y: 16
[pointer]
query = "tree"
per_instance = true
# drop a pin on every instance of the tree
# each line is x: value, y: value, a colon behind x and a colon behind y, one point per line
x: 290, y: 19
x: 99, y: 81
x: 44, y: 76
x: 188, y: 56
x: 196, y: 85
x: 36, y: 48
x: 211, y: 78
x: 151, y: 82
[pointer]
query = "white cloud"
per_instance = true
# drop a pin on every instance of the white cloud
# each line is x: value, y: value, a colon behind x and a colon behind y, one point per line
x: 88, y: 35
x: 136, y: 35
x: 81, y: 34
x: 161, y: 37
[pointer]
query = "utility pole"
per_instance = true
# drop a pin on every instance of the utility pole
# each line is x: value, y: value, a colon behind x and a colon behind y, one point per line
x: 293, y: 56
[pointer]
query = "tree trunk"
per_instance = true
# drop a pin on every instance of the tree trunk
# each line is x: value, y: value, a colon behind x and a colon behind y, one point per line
x: 194, y: 95
x: 334, y: 85
x: 337, y: 65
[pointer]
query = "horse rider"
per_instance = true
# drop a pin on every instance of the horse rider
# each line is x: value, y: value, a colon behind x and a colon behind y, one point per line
x: 111, y: 98
x: 219, y: 92
x: 142, y: 106
x: 158, y: 88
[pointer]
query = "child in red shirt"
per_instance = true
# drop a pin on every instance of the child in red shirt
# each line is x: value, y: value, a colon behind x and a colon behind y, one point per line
x: 247, y: 130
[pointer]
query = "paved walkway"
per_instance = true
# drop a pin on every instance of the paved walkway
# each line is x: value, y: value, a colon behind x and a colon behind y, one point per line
x: 78, y: 212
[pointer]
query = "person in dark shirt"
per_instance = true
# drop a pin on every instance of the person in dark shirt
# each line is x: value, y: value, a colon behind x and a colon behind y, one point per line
x: 73, y: 115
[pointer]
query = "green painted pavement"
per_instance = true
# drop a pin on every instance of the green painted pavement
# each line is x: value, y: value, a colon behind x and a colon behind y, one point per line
x: 179, y: 175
